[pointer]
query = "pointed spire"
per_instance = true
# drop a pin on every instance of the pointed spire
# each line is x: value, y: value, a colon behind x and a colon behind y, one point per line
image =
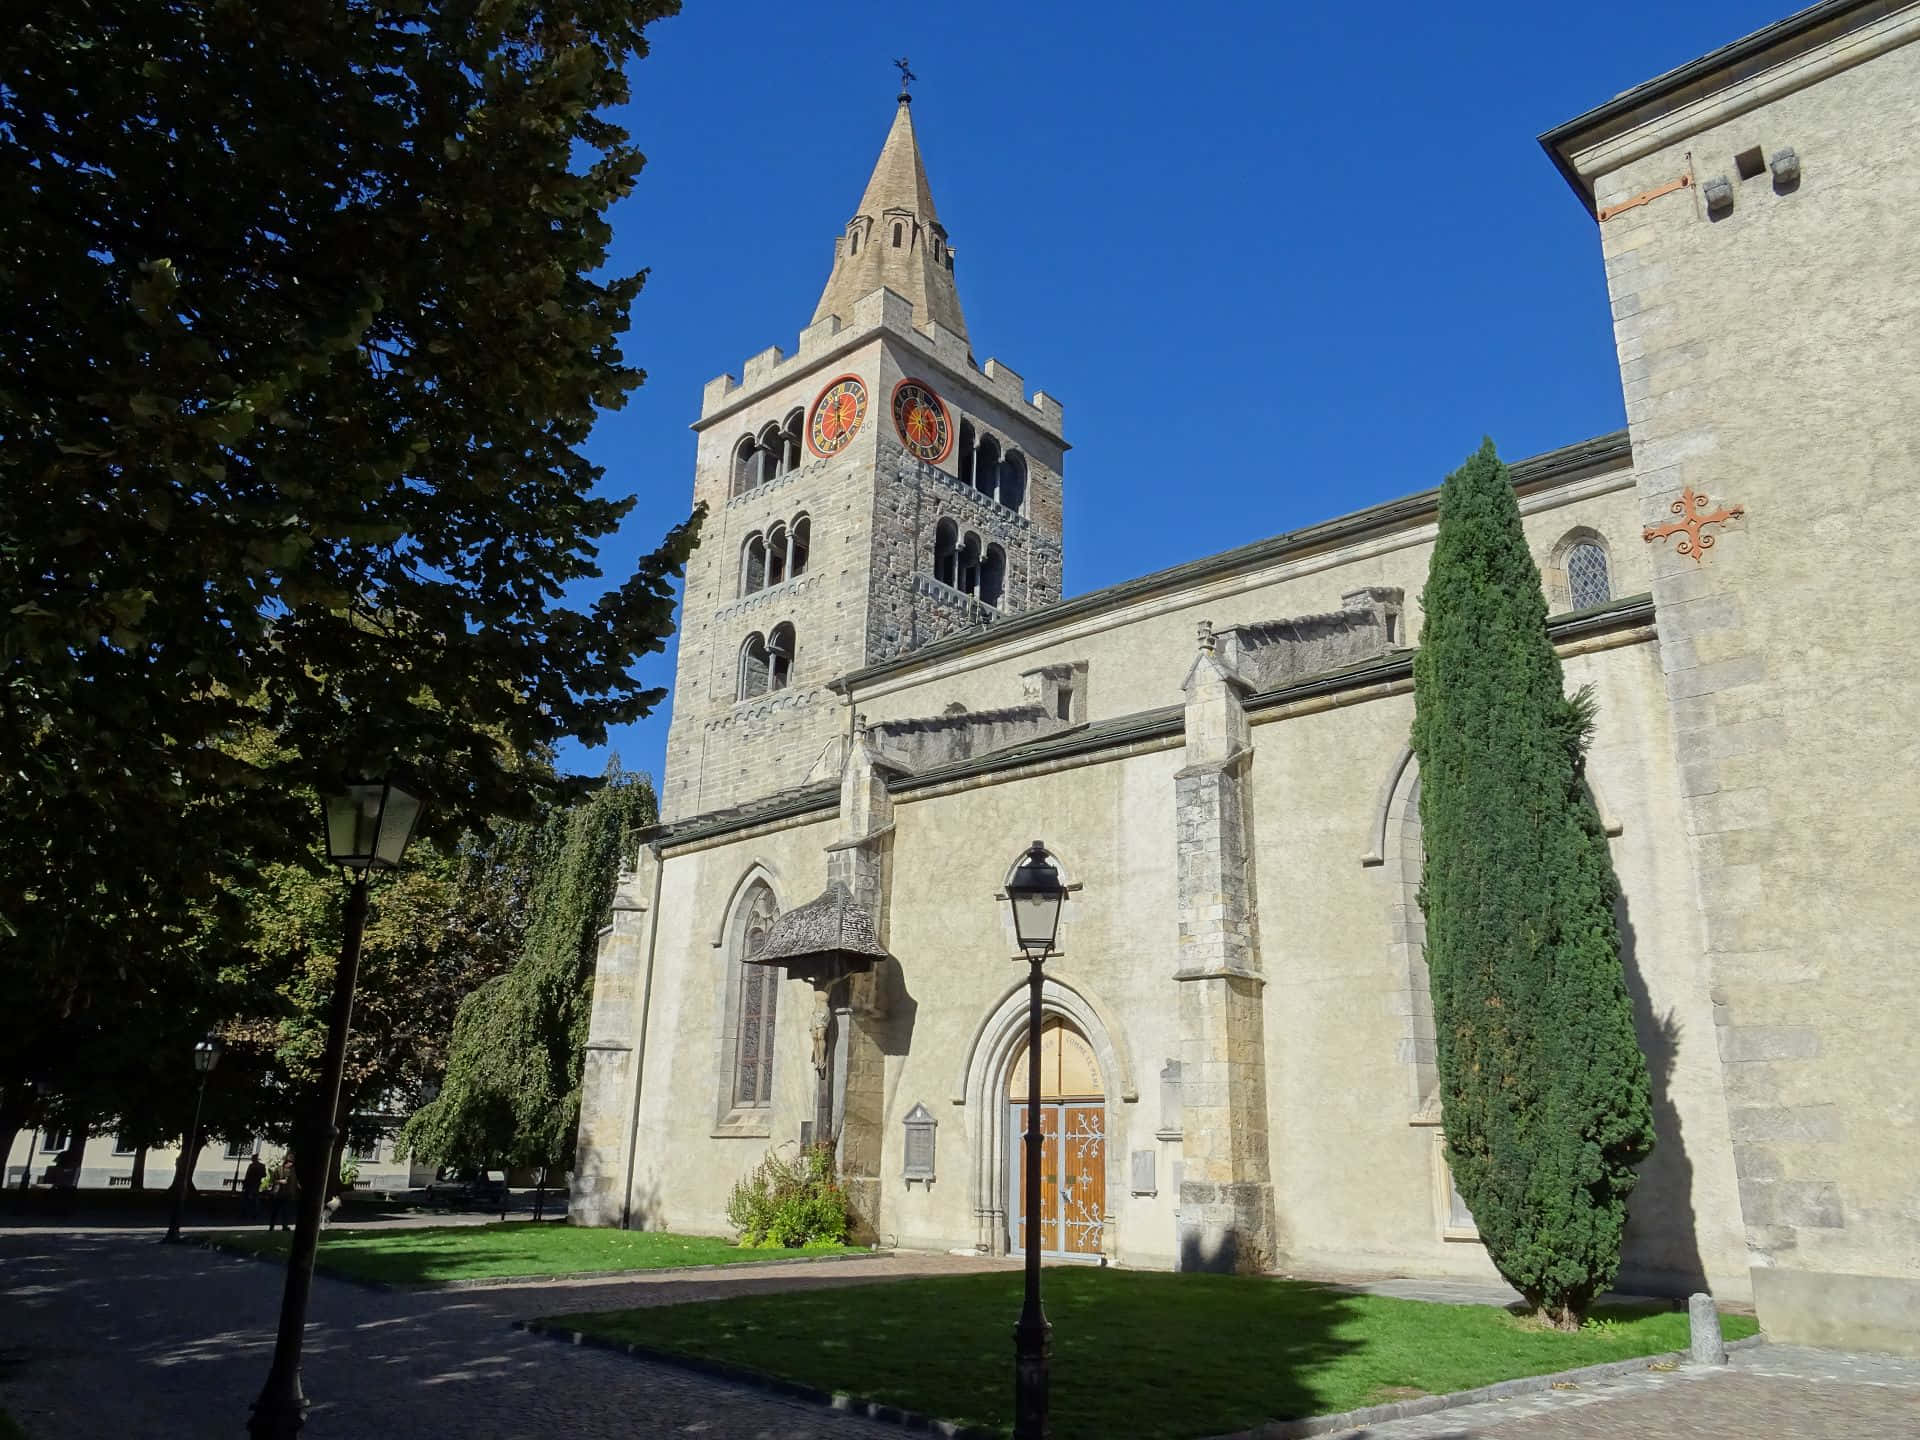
x: 898, y: 201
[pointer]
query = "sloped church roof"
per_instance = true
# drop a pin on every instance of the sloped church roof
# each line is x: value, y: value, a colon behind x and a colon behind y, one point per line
x: 865, y: 257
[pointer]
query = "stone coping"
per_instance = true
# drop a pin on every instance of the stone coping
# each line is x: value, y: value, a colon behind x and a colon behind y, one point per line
x: 1272, y: 1430
x: 507, y: 1282
x: 1116, y: 733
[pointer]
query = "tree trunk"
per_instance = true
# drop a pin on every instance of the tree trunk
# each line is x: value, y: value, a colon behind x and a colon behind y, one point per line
x: 333, y: 1159
x: 139, y: 1178
x: 540, y: 1193
x: 185, y: 1164
x: 1560, y: 1317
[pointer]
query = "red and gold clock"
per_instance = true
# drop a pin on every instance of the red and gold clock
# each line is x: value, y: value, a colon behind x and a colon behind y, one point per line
x: 921, y: 419
x: 837, y: 415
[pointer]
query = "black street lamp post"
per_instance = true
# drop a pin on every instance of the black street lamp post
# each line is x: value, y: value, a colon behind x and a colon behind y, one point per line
x: 1034, y: 893
x: 368, y: 827
x: 206, y: 1055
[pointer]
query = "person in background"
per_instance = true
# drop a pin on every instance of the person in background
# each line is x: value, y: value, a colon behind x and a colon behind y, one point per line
x: 282, y: 1193
x: 250, y: 1188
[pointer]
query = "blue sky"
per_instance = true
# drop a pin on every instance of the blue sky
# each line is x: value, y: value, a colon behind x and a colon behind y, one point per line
x: 1279, y: 261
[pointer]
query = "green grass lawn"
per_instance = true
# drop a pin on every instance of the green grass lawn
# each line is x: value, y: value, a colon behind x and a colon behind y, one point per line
x: 436, y: 1254
x: 1136, y: 1353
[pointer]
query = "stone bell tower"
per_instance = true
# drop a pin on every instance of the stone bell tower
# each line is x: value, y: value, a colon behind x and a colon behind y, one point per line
x: 870, y: 493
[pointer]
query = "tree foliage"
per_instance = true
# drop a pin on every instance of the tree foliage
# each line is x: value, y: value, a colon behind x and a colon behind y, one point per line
x: 1543, y: 1086
x: 511, y: 1093
x: 304, y: 320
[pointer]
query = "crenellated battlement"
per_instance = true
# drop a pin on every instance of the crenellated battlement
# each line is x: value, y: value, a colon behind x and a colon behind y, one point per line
x: 893, y: 314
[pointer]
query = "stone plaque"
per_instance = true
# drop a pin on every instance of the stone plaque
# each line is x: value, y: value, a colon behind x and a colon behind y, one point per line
x: 919, y: 1145
x: 1145, y: 1181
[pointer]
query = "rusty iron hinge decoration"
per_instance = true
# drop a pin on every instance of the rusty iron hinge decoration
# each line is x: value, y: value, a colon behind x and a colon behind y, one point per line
x: 1644, y: 196
x: 1694, y: 510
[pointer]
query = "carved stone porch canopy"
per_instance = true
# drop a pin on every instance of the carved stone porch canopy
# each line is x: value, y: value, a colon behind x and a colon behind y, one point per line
x: 824, y: 939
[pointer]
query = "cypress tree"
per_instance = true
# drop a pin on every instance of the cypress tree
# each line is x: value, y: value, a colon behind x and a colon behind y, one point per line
x: 1543, y: 1086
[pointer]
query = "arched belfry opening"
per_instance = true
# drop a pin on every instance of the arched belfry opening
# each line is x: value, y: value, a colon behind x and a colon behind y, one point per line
x: 1073, y: 1144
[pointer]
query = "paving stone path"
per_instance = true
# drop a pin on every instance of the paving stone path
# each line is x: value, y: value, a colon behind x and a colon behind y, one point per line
x: 117, y: 1336
x: 113, y: 1335
x: 1774, y: 1392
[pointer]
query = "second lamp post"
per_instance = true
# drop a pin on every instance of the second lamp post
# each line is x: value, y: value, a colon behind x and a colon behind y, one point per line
x: 206, y: 1055
x: 1034, y: 893
x: 368, y: 827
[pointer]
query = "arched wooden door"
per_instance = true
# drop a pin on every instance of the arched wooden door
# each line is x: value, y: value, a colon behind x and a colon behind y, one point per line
x: 1073, y: 1153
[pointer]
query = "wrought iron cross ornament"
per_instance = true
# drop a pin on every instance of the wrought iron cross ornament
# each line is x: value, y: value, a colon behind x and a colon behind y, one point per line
x: 907, y: 77
x: 1695, y: 516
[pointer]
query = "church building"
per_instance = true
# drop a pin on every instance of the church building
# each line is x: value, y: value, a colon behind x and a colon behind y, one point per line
x: 883, y: 698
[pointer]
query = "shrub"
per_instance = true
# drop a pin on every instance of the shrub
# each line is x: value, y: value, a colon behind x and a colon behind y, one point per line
x: 786, y: 1204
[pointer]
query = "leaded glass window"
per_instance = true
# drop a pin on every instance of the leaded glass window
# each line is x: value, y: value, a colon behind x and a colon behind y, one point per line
x: 1587, y: 577
x: 753, y: 1033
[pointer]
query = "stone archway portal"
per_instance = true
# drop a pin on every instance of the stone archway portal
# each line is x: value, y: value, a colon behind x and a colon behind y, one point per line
x: 1073, y: 1163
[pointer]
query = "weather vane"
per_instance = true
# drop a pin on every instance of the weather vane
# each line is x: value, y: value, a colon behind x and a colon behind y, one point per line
x: 907, y: 77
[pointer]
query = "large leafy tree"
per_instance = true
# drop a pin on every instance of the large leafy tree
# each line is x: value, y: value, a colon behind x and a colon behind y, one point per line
x: 511, y: 1094
x: 1544, y: 1090
x: 303, y: 321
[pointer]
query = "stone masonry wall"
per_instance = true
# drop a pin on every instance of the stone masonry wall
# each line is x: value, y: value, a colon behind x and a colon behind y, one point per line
x: 1770, y: 355
x: 869, y: 590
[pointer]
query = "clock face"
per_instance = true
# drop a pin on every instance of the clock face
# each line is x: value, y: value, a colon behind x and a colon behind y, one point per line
x: 837, y: 415
x: 921, y: 420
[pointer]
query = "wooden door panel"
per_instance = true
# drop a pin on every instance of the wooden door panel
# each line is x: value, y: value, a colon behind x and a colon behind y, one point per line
x: 1049, y: 1180
x: 1083, y: 1198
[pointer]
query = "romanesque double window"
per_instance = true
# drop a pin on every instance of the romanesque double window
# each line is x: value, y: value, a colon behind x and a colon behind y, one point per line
x: 997, y: 472
x: 774, y: 452
x: 766, y: 662
x: 961, y: 562
x: 775, y: 557
x: 755, y: 993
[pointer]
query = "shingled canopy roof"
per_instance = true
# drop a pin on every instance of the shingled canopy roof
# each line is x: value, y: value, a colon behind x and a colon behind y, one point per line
x: 823, y: 939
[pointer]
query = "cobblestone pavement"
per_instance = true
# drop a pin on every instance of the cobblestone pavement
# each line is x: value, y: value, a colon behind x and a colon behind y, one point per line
x: 1780, y: 1392
x: 117, y: 1336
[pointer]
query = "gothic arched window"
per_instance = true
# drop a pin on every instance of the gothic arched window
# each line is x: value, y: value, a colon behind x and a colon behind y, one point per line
x: 798, y: 546
x: 754, y: 1001
x: 753, y: 564
x: 753, y: 667
x: 790, y: 441
x: 776, y: 554
x: 1587, y: 580
x: 780, y: 657
x: 969, y: 578
x: 993, y: 576
x: 946, y: 544
x: 773, y: 453
x: 1013, y: 480
x: 745, y: 467
x: 896, y: 235
x: 986, y: 465
x: 966, y: 452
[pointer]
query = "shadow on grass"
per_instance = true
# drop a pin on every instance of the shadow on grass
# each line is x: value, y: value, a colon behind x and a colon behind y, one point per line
x: 1141, y: 1354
